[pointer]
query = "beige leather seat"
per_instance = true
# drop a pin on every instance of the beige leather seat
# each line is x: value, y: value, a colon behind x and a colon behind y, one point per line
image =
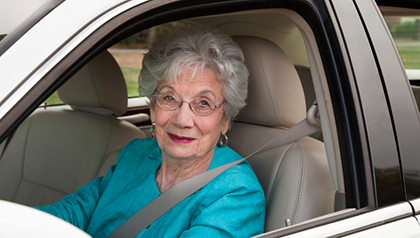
x: 56, y: 151
x: 295, y: 177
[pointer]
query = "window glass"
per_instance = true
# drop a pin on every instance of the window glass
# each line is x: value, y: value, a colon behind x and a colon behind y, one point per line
x: 406, y: 33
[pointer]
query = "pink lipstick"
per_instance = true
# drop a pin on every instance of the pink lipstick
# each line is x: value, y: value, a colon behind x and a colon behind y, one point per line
x: 180, y: 139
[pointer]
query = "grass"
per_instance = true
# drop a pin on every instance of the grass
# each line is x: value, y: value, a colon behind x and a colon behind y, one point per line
x: 410, y: 57
x: 53, y: 99
x: 131, y: 75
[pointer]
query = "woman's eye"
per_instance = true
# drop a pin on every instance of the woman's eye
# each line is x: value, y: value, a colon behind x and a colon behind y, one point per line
x: 169, y: 98
x: 203, y: 103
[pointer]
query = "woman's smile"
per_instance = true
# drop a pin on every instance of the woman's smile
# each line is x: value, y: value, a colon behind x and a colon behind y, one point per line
x: 180, y: 139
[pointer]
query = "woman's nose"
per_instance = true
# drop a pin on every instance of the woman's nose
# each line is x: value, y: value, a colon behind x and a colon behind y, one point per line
x: 184, y: 116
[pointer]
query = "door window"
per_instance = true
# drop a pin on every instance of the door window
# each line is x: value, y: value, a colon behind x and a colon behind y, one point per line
x: 405, y: 31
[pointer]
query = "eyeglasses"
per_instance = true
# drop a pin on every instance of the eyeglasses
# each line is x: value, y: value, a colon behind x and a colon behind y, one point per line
x: 170, y: 102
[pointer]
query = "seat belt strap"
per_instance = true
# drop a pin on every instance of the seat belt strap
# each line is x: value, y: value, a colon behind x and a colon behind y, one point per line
x: 151, y: 212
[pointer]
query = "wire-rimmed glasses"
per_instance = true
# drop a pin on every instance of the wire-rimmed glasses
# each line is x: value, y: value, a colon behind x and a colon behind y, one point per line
x: 199, y: 106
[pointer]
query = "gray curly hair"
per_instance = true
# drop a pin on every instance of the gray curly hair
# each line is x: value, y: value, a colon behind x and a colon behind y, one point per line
x: 196, y: 48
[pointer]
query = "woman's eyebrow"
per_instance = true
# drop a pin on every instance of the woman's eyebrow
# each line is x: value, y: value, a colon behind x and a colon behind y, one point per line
x: 200, y: 94
x: 205, y: 92
x: 167, y: 86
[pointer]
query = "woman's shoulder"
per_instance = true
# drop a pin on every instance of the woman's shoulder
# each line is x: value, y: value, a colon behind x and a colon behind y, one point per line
x: 236, y: 187
x: 138, y: 148
x: 239, y: 176
x: 236, y: 177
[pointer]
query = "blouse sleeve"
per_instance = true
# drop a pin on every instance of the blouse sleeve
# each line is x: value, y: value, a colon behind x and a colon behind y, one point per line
x: 77, y: 208
x: 240, y: 212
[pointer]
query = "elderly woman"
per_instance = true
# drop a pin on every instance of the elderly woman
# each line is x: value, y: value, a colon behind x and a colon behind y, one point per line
x: 196, y: 81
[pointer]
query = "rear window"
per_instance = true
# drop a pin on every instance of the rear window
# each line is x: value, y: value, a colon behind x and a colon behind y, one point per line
x: 405, y: 31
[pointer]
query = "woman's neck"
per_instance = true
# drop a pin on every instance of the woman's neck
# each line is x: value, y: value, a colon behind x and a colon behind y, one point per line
x: 173, y: 171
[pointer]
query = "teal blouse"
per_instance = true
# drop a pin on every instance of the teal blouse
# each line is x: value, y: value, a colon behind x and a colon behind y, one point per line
x: 231, y: 205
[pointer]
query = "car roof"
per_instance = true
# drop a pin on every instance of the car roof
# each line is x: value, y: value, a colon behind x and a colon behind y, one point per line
x: 10, y: 18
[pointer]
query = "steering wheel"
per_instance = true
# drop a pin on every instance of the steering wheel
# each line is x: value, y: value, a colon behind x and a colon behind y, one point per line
x: 21, y: 221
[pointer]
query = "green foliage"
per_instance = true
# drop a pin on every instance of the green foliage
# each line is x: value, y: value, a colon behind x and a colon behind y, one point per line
x: 131, y: 76
x: 405, y: 30
x: 164, y: 29
x: 140, y: 38
x: 54, y: 99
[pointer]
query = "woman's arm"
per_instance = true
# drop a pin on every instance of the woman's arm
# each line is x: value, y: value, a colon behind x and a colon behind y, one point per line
x: 77, y: 208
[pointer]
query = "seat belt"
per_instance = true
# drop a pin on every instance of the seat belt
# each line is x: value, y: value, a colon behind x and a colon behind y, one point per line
x: 151, y: 212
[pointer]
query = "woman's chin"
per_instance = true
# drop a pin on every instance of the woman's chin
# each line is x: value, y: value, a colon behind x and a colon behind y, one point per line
x: 179, y: 151
x: 191, y: 150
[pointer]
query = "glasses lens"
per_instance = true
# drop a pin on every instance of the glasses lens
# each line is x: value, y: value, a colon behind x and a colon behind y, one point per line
x: 203, y: 106
x: 167, y: 101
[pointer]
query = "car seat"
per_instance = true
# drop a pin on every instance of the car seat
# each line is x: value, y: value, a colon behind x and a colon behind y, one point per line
x: 56, y: 151
x: 295, y: 177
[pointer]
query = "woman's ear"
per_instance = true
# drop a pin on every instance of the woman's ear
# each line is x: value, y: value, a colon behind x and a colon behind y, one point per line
x: 152, y: 111
x: 225, y: 124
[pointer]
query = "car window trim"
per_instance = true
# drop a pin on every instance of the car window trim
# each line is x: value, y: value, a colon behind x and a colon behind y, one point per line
x: 358, y: 180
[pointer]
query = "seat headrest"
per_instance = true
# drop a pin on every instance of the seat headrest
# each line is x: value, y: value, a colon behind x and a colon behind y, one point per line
x: 99, y: 87
x: 275, y: 93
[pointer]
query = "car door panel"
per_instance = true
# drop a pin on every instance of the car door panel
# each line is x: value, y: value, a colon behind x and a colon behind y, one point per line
x: 407, y: 227
x: 393, y: 215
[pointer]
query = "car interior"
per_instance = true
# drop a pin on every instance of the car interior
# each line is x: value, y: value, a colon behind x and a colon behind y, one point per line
x: 58, y: 149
